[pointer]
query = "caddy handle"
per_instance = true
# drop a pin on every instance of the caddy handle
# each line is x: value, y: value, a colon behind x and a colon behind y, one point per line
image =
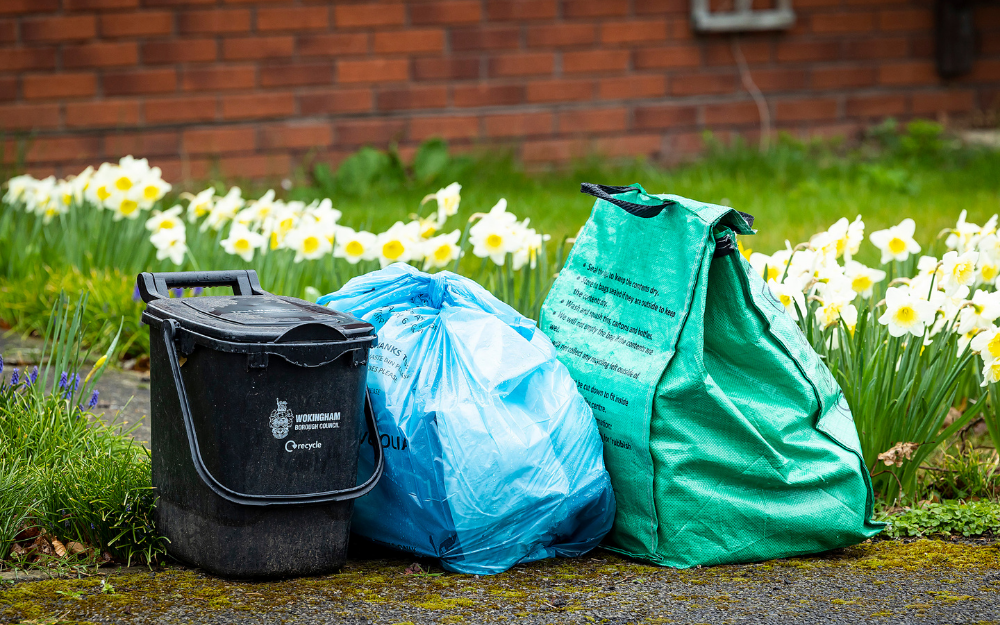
x: 152, y: 286
x: 645, y: 211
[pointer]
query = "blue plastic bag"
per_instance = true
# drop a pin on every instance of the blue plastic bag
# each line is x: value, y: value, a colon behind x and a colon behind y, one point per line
x: 492, y: 455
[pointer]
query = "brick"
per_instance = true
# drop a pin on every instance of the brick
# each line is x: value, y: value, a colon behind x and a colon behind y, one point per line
x: 985, y: 70
x: 21, y: 7
x: 103, y: 113
x: 29, y: 116
x: 679, y: 29
x: 177, y: 3
x: 906, y: 20
x: 258, y: 47
x: 8, y: 31
x: 667, y: 57
x: 291, y: 74
x: 292, y: 136
x: 952, y: 101
x: 523, y: 64
x: 446, y: 68
x: 336, y: 101
x: 139, y: 82
x: 186, y: 109
x: 553, y: 150
x: 520, y: 10
x: 753, y: 52
x: 218, y: 140
x: 137, y: 24
x: 594, y: 8
x: 61, y: 85
x: 214, y: 21
x: 376, y: 131
x: 561, y: 35
x: 595, y: 61
x: 179, y: 51
x: 843, y: 77
x: 628, y: 145
x: 560, y: 90
x: 8, y: 88
x: 20, y: 59
x: 791, y: 51
x: 805, y: 109
x: 61, y: 28
x: 922, y: 47
x: 841, y: 22
x: 669, y: 116
x: 634, y: 31
x: 98, y: 5
x: 412, y: 98
x: 484, y: 38
x: 908, y: 73
x: 632, y: 87
x: 654, y: 7
x: 451, y: 127
x: 373, y: 70
x: 519, y: 124
x: 258, y: 105
x: 876, y: 105
x: 146, y: 143
x: 780, y: 79
x: 459, y: 12
x: 877, y: 48
x: 368, y: 15
x: 731, y: 113
x: 333, y: 44
x: 487, y: 95
x: 101, y: 54
x: 702, y: 84
x: 411, y: 40
x: 50, y: 149
x: 293, y: 18
x: 592, y: 120
x: 256, y: 165
x: 218, y: 78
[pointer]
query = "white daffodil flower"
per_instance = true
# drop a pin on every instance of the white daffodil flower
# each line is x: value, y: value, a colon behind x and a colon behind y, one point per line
x: 905, y: 312
x: 980, y: 312
x: 400, y: 243
x: 18, y: 188
x: 170, y: 243
x: 529, y: 248
x: 308, y: 245
x: 834, y: 311
x: 963, y: 235
x: 224, y: 210
x: 199, y: 205
x: 493, y: 235
x: 355, y: 246
x: 855, y: 237
x: 987, y: 343
x: 863, y: 279
x: 991, y: 372
x: 442, y: 250
x: 790, y: 294
x: 448, y: 200
x: 987, y: 269
x: 165, y: 220
x: 896, y: 243
x: 958, y: 270
x: 124, y: 207
x: 151, y: 188
x: 242, y: 242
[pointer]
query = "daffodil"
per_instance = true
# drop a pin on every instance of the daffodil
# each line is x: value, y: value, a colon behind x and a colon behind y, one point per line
x: 987, y: 269
x: 863, y: 279
x: 441, y: 250
x: 223, y: 210
x: 355, y: 246
x: 790, y: 295
x: 958, y: 270
x: 199, y: 205
x: 165, y: 220
x: 906, y: 313
x: 987, y: 343
x: 447, y: 199
x: 17, y: 188
x: 980, y: 312
x: 963, y: 236
x: 770, y: 267
x: 493, y: 235
x: 170, y: 243
x: 896, y: 243
x: 399, y: 244
x: 151, y: 188
x: 308, y: 244
x: 833, y: 312
x: 242, y: 242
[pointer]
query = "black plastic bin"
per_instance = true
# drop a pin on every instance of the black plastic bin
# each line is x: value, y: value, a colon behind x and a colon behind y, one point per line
x: 256, y: 405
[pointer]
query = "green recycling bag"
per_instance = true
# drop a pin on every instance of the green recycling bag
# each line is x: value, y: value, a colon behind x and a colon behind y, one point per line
x: 727, y: 439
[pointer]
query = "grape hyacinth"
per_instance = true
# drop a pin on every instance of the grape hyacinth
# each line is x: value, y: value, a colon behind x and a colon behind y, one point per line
x: 177, y: 292
x: 63, y: 380
x: 93, y: 399
x: 15, y: 377
x: 136, y: 296
x: 34, y: 375
x: 1, y: 363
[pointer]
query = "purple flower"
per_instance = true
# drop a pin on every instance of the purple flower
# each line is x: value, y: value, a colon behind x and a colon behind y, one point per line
x: 76, y: 382
x: 93, y: 399
x: 15, y: 377
x: 136, y: 296
x: 1, y: 364
x: 197, y: 290
x: 34, y: 375
x: 63, y: 380
x: 177, y: 292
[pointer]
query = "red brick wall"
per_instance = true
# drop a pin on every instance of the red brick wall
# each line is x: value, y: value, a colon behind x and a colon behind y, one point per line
x: 248, y: 87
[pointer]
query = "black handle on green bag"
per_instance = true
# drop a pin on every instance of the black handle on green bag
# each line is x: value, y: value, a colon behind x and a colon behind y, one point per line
x: 607, y: 192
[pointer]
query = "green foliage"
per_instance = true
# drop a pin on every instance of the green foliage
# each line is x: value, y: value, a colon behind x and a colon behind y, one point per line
x: 430, y: 161
x: 951, y: 517
x: 962, y: 472
x: 369, y: 168
x: 63, y: 469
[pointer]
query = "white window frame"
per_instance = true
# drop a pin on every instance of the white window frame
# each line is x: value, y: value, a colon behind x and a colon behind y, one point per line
x: 743, y: 18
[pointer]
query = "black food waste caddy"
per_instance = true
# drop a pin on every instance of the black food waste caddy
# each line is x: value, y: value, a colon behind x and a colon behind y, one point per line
x: 256, y: 403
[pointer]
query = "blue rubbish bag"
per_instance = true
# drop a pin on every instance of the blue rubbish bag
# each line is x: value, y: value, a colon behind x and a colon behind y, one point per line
x: 492, y: 455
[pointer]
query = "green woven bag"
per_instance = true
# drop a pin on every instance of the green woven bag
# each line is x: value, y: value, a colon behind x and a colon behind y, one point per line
x: 727, y: 439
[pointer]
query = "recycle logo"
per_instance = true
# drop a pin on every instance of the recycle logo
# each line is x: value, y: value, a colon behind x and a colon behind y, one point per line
x: 281, y: 420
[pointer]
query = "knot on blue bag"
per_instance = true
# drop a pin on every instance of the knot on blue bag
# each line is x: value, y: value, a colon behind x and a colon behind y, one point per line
x: 438, y: 289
